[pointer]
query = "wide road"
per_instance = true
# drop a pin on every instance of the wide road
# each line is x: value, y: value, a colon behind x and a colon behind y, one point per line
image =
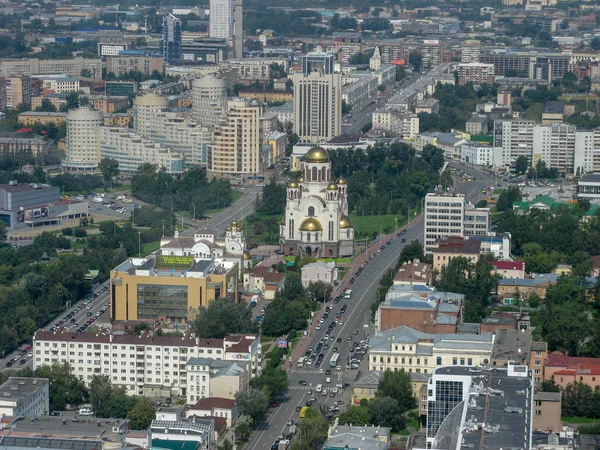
x: 353, y: 326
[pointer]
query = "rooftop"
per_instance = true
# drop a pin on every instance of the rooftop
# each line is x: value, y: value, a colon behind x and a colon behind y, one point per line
x: 17, y: 187
x: 50, y: 427
x: 508, y: 265
x: 20, y: 389
x: 475, y: 118
x: 554, y: 108
x: 414, y: 271
x: 208, y: 403
x: 44, y: 443
x: 512, y: 345
x: 365, y: 438
x: 590, y: 178
x: 458, y: 246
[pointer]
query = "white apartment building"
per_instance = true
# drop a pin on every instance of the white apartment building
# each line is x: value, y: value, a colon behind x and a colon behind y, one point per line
x: 449, y: 214
x: 512, y: 138
x: 33, y: 66
x: 235, y: 151
x: 417, y: 352
x: 83, y: 149
x: 208, y: 377
x: 24, y: 397
x: 145, y: 108
x: 255, y: 68
x: 131, y: 151
x: 143, y: 365
x: 111, y: 49
x: 559, y: 145
x: 470, y: 51
x: 317, y: 106
x: 555, y: 145
x: 400, y: 123
x: 480, y: 155
x: 221, y: 19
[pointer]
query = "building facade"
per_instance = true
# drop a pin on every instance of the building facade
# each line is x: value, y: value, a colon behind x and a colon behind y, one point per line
x: 83, y: 149
x: 171, y: 38
x: 24, y: 397
x: 221, y: 19
x: 316, y: 218
x: 209, y: 100
x: 146, y: 64
x: 143, y: 365
x: 476, y: 73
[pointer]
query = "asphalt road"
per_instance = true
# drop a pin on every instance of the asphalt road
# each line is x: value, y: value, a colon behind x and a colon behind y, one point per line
x: 357, y: 315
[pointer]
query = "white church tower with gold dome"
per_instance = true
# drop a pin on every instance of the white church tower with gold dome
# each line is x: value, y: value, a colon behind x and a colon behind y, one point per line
x: 316, y: 221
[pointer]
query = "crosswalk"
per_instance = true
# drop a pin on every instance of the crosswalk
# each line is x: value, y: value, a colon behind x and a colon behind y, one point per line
x: 307, y: 371
x: 299, y: 387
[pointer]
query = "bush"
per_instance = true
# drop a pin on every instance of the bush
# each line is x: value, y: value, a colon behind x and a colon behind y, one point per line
x: 67, y: 231
x: 593, y: 428
x: 291, y: 336
x: 80, y: 232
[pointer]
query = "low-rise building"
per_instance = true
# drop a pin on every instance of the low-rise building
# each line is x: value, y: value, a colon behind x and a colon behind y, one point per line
x: 428, y: 106
x: 208, y: 377
x: 16, y: 146
x: 319, y: 271
x: 414, y: 273
x: 513, y: 290
x: 146, y: 64
x: 477, y: 124
x: 415, y: 351
x: 564, y: 369
x: 61, y: 85
x: 588, y: 187
x: 215, y: 407
x: 477, y: 154
x: 141, y: 364
x: 24, y: 397
x: 171, y: 429
x: 509, y: 269
x: 553, y: 113
x: 399, y: 123
x: 108, y: 104
x: 30, y: 118
x: 450, y: 247
x: 363, y: 437
x: 547, y: 411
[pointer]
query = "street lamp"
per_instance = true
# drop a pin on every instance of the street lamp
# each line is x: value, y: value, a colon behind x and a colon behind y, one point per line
x: 139, y: 244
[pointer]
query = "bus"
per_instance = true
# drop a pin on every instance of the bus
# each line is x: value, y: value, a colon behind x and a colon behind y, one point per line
x: 301, y: 361
x: 334, y: 360
x: 303, y: 411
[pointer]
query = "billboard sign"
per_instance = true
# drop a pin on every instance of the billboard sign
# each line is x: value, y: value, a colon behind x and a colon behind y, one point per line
x: 282, y: 343
x: 36, y: 213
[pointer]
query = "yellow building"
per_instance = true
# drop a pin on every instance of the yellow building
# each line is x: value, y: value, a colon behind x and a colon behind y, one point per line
x: 119, y: 120
x: 268, y: 96
x: 32, y: 117
x: 169, y: 287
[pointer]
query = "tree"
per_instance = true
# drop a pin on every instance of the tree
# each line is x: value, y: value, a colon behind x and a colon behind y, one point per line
x: 415, y: 59
x: 549, y: 386
x: 356, y: 415
x: 595, y: 43
x: 85, y: 73
x: 272, y: 201
x: 65, y: 388
x: 223, y: 317
x: 109, y: 168
x: 226, y: 445
x: 397, y: 385
x: 521, y: 164
x: 3, y: 231
x: 319, y: 290
x: 252, y: 403
x: 46, y: 106
x: 101, y: 395
x: 312, y: 431
x: 142, y: 414
x: 446, y: 180
x: 72, y: 100
x: 577, y: 400
x: 273, y: 382
x: 506, y: 199
x: 385, y: 412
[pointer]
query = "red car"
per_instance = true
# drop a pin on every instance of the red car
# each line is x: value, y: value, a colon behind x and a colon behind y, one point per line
x: 274, y: 403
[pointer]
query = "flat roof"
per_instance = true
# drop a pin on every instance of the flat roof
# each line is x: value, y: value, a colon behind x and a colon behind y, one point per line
x: 18, y: 389
x: 50, y: 426
x: 590, y: 178
x: 43, y: 443
x: 24, y: 187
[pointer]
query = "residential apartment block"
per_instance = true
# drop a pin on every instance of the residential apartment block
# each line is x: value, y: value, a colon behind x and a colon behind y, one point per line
x: 209, y: 377
x: 476, y: 73
x: 24, y: 397
x: 123, y: 64
x: 143, y: 365
x: 400, y: 123
x: 33, y: 66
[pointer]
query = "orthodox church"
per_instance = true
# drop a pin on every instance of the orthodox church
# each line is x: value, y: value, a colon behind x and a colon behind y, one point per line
x: 316, y: 221
x: 205, y: 245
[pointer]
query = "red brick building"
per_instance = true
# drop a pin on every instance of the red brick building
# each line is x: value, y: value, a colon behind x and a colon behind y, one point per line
x: 564, y: 369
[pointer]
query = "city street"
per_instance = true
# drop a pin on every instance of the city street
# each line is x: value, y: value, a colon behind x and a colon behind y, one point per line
x: 353, y: 320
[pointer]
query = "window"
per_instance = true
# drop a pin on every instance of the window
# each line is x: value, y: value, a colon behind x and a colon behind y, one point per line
x: 538, y: 412
x: 470, y: 361
x: 454, y: 361
x: 311, y: 211
x: 438, y: 361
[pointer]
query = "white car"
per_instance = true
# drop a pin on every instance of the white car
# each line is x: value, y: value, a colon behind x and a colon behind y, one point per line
x: 335, y: 390
x: 338, y: 368
x: 320, y: 370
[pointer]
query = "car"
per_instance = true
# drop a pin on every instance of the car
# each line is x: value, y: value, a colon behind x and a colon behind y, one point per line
x: 335, y: 390
x: 302, y: 382
x: 321, y: 320
x: 321, y: 370
x: 298, y: 408
x: 355, y: 332
x: 346, y: 385
x: 22, y: 362
x: 338, y: 368
x: 335, y: 349
x: 308, y: 403
x: 318, y: 327
x: 403, y: 240
x: 338, y: 340
x: 274, y: 403
x: 156, y: 403
x: 340, y: 322
x: 328, y: 372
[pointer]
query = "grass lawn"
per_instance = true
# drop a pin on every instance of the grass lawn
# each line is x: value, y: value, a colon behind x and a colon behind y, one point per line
x: 373, y: 224
x: 79, y: 245
x: 578, y: 420
x: 149, y: 247
x: 101, y: 190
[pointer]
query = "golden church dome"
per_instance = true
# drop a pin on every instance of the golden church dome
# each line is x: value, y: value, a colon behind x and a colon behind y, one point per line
x: 311, y: 224
x: 341, y: 180
x: 317, y: 155
x: 345, y: 222
x: 332, y: 187
x: 247, y: 255
x: 293, y: 185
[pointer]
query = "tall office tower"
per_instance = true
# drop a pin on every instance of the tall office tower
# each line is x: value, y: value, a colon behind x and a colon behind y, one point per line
x: 209, y: 99
x: 83, y: 149
x: 471, y: 48
x: 145, y: 108
x: 18, y: 91
x: 171, y: 38
x: 235, y: 151
x: 317, y: 106
x: 221, y: 18
x: 318, y: 62
x: 238, y: 29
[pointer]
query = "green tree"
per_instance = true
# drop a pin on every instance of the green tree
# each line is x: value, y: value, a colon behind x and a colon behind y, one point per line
x: 272, y: 201
x: 312, y: 431
x: 446, y: 180
x: 385, y: 412
x: 46, y: 106
x: 142, y: 414
x: 577, y: 400
x: 521, y: 165
x: 109, y: 168
x: 319, y: 290
x: 595, y: 43
x: 101, y: 395
x: 356, y: 415
x: 223, y: 317
x: 273, y: 382
x: 549, y: 386
x: 3, y: 231
x: 226, y: 445
x: 397, y: 385
x: 72, y: 101
x: 65, y: 388
x: 415, y: 59
x: 252, y: 403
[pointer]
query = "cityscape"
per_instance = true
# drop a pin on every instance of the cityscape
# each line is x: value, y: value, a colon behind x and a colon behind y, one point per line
x: 260, y: 225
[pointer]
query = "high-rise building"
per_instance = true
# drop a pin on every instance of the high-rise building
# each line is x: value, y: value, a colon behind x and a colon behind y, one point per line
x: 317, y: 106
x: 512, y: 138
x: 145, y: 108
x: 555, y: 145
x: 2, y: 93
x: 449, y: 214
x: 235, y: 151
x: 471, y: 49
x: 171, y: 38
x: 209, y: 98
x: 238, y: 29
x: 18, y: 91
x: 476, y: 73
x: 221, y: 19
x: 318, y: 62
x: 83, y: 149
